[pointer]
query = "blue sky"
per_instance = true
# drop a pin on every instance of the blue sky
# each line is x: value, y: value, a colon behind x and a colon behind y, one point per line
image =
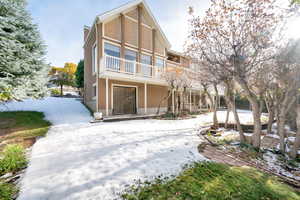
x: 61, y: 22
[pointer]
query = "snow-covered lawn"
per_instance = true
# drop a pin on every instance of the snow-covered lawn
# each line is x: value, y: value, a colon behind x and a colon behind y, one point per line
x: 79, y: 160
x: 245, y: 116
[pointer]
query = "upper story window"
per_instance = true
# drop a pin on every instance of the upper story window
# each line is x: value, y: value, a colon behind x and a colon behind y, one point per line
x: 146, y: 59
x: 111, y: 50
x: 94, y: 58
x: 130, y: 55
x: 146, y: 70
x: 159, y: 62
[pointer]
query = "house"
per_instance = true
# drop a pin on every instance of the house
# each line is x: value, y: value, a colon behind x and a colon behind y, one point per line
x: 125, y: 54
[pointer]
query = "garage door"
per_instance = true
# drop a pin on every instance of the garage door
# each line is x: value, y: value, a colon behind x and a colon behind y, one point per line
x: 124, y: 100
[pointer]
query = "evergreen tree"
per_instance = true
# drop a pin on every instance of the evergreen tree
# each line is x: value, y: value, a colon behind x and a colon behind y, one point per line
x: 23, y: 72
x: 80, y: 75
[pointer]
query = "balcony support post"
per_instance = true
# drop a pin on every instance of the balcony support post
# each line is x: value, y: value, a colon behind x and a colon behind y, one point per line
x: 145, y: 98
x: 200, y: 100
x: 122, y: 52
x: 173, y: 101
x: 106, y: 96
x: 190, y: 100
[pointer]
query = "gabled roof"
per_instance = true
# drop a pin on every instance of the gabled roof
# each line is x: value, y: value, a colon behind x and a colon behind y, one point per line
x: 110, y: 14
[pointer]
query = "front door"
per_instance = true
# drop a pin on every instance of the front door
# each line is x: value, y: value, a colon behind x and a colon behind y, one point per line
x: 124, y: 100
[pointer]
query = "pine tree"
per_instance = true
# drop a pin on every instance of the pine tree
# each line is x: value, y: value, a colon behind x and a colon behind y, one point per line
x: 80, y: 74
x: 23, y: 72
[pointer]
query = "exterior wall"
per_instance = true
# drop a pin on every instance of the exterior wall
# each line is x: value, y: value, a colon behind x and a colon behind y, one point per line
x: 146, y: 38
x: 131, y: 32
x: 133, y: 13
x: 159, y: 47
x: 112, y: 29
x: 154, y: 95
x: 138, y: 36
x: 89, y: 77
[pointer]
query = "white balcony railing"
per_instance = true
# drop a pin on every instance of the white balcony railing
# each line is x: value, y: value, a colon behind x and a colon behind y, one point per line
x: 120, y: 65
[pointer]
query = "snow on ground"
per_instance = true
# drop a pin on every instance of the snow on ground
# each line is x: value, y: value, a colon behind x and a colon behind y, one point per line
x: 79, y: 160
x: 245, y: 116
x: 274, y: 165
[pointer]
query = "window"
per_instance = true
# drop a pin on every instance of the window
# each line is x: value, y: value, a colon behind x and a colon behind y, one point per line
x: 146, y: 69
x: 112, y: 60
x: 112, y: 50
x: 94, y: 58
x: 145, y: 59
x: 159, y: 62
x: 132, y: 56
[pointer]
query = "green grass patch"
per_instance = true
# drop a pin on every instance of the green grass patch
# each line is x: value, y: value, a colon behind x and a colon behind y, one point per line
x: 12, y: 159
x: 7, y: 191
x: 18, y: 130
x: 213, y: 181
x: 23, y: 124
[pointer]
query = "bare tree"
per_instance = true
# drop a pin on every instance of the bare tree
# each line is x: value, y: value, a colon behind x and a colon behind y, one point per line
x: 235, y: 37
x: 296, y: 146
x: 171, y: 78
x: 178, y: 81
x: 286, y: 73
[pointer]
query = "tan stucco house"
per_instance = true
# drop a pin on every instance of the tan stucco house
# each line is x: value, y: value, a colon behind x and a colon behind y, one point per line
x: 125, y: 54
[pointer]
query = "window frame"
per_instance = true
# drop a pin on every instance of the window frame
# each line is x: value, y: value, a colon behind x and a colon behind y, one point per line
x: 163, y: 62
x: 114, y: 45
x: 150, y: 56
x: 136, y: 54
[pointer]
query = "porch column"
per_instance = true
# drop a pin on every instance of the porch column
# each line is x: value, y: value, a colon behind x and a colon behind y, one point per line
x: 190, y: 100
x: 106, y: 96
x: 200, y: 100
x: 173, y: 101
x: 145, y: 98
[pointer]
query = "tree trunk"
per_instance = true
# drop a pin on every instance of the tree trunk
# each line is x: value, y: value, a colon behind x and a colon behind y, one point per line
x: 227, y: 116
x: 283, y: 109
x: 281, y: 132
x: 216, y: 124
x: 270, y: 120
x: 213, y: 108
x: 61, y: 90
x: 257, y: 124
x: 255, y: 112
x: 164, y: 99
x: 231, y: 105
x: 296, y: 146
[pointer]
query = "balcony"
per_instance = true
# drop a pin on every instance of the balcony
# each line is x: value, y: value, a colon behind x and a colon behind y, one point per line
x: 120, y: 66
x: 115, y: 67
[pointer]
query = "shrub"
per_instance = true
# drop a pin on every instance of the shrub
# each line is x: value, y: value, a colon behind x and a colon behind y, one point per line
x: 7, y: 191
x: 12, y: 159
x: 55, y: 92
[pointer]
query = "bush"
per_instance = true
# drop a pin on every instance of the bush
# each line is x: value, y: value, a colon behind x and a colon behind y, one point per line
x: 55, y: 92
x: 7, y: 191
x: 12, y: 159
